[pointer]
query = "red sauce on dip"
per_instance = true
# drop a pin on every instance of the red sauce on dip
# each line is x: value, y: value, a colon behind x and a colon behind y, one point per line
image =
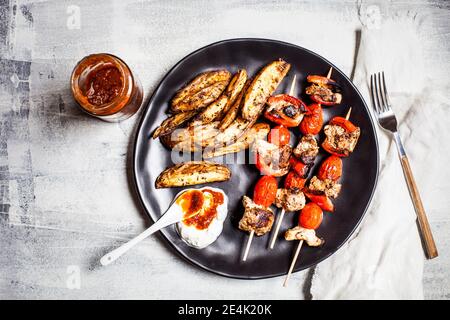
x: 193, y: 203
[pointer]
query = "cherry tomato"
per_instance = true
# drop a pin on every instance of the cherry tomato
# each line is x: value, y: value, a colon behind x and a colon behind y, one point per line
x: 285, y: 110
x: 310, y: 216
x: 321, y: 200
x: 299, y: 167
x: 331, y: 168
x: 279, y: 136
x: 294, y: 180
x: 265, y: 191
x: 313, y: 120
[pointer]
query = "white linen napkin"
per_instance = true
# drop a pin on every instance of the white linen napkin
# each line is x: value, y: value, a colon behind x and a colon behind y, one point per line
x: 384, y: 258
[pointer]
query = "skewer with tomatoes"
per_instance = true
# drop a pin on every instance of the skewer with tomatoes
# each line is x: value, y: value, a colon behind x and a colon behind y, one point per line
x: 321, y: 188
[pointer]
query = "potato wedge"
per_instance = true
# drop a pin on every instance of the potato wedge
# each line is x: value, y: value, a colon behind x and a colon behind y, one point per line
x: 257, y: 131
x: 190, y: 137
x: 237, y: 128
x: 235, y: 87
x: 173, y: 122
x: 232, y: 113
x: 200, y: 99
x: 200, y: 82
x: 192, y: 173
x: 211, y: 112
x: 262, y: 87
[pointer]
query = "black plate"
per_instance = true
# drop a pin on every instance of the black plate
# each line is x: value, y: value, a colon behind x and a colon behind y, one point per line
x: 224, y: 256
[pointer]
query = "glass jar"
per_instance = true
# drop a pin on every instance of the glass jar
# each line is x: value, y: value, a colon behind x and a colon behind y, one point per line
x: 104, y: 87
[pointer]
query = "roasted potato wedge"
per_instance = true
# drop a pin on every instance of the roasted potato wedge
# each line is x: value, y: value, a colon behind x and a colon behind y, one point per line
x: 232, y: 113
x: 257, y: 131
x: 235, y: 87
x: 212, y: 112
x: 192, y: 173
x: 237, y: 128
x: 191, y: 137
x: 262, y: 87
x: 200, y: 99
x: 200, y: 82
x: 173, y: 122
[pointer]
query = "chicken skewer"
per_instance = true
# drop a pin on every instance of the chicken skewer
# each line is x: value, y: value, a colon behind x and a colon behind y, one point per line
x: 310, y: 219
x: 258, y: 217
x: 283, y: 211
x: 299, y: 246
x: 305, y: 232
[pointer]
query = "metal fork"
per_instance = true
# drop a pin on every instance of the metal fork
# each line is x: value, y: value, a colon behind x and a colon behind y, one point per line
x: 388, y: 121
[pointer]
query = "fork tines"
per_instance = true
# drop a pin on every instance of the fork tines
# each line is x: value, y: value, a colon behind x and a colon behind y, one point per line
x: 380, y: 98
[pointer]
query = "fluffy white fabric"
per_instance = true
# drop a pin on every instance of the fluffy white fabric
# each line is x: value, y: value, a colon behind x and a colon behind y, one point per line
x: 384, y: 259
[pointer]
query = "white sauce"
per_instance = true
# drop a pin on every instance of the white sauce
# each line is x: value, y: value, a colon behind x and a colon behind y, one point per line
x: 202, y: 238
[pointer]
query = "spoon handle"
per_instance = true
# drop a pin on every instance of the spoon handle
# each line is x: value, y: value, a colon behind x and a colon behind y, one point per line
x: 167, y: 219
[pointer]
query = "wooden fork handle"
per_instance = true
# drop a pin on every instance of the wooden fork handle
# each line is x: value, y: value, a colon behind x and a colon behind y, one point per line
x: 424, y: 227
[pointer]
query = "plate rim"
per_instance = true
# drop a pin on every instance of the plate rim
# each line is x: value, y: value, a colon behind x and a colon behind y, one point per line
x: 138, y: 138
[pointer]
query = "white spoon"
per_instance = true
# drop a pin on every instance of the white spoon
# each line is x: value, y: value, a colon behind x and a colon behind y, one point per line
x: 172, y: 215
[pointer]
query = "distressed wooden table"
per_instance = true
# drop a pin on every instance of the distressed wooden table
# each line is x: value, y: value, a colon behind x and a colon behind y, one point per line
x: 65, y: 195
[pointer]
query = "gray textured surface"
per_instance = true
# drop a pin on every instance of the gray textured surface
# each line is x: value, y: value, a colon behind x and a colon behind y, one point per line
x: 64, y: 188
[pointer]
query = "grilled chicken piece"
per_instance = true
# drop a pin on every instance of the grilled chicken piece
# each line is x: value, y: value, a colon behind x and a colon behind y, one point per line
x: 307, y: 149
x: 275, y: 158
x: 201, y: 91
x: 173, y: 122
x: 256, y: 218
x: 257, y: 131
x: 290, y: 199
x: 308, y: 235
x: 262, y: 87
x: 342, y: 141
x: 192, y: 173
x: 327, y: 187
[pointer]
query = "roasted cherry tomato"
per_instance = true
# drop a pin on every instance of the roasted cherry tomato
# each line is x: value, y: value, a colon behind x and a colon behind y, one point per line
x: 331, y: 168
x: 299, y: 167
x: 344, y: 123
x: 294, y: 180
x: 285, y: 110
x: 265, y: 191
x: 321, y: 200
x: 313, y: 120
x: 310, y: 216
x: 279, y: 136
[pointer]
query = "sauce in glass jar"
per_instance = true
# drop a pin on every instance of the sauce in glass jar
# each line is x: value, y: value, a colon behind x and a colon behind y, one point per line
x: 104, y: 86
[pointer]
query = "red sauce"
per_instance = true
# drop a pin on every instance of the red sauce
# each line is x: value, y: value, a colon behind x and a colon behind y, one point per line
x: 192, y: 203
x: 104, y: 85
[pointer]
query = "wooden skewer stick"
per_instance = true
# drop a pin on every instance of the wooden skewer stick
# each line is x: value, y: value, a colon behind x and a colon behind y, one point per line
x: 348, y: 113
x: 329, y: 72
x: 277, y: 229
x: 291, y: 91
x: 247, y: 247
x: 294, y: 260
